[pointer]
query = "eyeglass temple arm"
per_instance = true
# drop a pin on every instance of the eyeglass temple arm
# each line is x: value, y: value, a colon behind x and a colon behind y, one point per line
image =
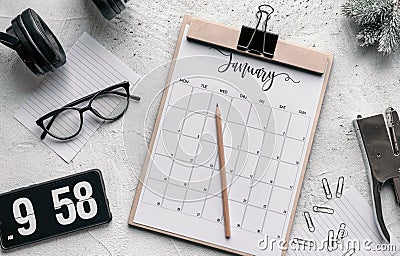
x: 78, y: 101
x: 134, y: 97
x: 44, y: 133
x: 88, y: 97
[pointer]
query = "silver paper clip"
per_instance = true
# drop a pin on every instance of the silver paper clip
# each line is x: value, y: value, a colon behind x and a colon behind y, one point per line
x: 309, y: 221
x: 340, y: 186
x: 327, y: 189
x: 342, y: 233
x: 302, y: 242
x: 331, y: 240
x: 323, y: 209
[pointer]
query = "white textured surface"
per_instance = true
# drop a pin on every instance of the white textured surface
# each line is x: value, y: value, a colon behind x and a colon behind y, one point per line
x: 143, y: 36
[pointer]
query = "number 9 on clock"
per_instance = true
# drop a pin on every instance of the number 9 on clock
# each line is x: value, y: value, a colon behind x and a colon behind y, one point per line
x: 53, y: 208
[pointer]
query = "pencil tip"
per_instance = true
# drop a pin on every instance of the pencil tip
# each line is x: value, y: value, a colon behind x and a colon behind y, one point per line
x: 217, y: 105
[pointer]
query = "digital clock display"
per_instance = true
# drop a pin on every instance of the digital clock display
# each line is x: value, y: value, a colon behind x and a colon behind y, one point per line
x: 53, y: 208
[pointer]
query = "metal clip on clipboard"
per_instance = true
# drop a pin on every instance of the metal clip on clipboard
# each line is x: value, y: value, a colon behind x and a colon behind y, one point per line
x: 258, y: 44
x: 257, y: 41
x: 379, y: 144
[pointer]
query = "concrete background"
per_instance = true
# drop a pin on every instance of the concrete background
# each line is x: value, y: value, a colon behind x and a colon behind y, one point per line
x: 144, y: 36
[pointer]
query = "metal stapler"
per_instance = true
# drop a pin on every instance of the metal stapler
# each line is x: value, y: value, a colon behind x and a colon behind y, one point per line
x: 378, y: 137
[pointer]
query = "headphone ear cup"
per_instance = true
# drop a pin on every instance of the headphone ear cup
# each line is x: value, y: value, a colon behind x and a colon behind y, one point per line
x: 29, y: 56
x: 43, y: 38
x: 105, y: 8
x: 27, y: 60
x: 34, y: 42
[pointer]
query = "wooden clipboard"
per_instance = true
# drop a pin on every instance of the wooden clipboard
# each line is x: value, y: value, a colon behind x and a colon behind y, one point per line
x: 286, y: 53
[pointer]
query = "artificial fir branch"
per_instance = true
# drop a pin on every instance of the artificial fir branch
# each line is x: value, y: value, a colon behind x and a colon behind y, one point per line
x: 367, y: 11
x: 390, y: 35
x: 379, y: 22
x: 368, y: 35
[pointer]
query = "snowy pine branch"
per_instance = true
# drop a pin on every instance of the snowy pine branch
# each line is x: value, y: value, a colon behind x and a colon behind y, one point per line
x: 379, y: 22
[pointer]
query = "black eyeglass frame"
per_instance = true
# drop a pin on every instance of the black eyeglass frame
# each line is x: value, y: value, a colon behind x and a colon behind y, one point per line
x: 91, y: 97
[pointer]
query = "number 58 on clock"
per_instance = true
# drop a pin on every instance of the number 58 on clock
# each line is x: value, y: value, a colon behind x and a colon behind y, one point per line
x: 53, y: 208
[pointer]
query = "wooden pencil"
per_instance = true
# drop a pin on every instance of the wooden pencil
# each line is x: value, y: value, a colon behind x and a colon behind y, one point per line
x: 221, y: 154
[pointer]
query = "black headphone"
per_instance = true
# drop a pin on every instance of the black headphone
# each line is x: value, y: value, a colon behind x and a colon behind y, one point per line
x: 34, y: 42
x: 110, y: 8
x: 37, y: 46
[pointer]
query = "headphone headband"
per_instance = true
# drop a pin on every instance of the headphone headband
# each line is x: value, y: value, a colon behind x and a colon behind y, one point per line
x: 110, y: 8
x: 36, y: 44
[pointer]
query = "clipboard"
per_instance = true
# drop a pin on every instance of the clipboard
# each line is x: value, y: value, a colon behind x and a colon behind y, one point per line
x: 285, y: 53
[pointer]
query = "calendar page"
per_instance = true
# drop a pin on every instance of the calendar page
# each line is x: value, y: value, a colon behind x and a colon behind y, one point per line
x: 268, y: 112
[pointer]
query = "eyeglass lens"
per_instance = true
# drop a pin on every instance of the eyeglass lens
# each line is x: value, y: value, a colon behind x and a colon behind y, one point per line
x: 65, y: 124
x: 110, y: 104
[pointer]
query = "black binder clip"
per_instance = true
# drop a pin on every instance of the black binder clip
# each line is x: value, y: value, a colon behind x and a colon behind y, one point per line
x: 381, y: 157
x: 257, y: 41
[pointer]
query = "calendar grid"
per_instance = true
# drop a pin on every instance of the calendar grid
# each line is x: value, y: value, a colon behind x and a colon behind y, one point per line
x: 253, y: 127
x: 265, y: 216
x: 202, y: 129
x: 240, y: 147
x: 253, y: 174
x: 238, y: 174
x: 173, y: 161
x: 291, y: 197
x: 215, y: 161
x: 233, y: 200
x: 263, y: 182
x: 212, y: 220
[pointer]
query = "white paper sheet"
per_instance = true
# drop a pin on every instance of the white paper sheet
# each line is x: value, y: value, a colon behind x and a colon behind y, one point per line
x: 266, y: 136
x: 89, y: 68
x: 363, y: 235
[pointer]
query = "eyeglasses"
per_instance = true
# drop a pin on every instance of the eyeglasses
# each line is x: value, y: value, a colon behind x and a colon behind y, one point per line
x: 108, y: 104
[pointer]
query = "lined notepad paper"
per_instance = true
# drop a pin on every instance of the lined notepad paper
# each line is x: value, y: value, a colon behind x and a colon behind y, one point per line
x: 352, y: 210
x: 89, y: 68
